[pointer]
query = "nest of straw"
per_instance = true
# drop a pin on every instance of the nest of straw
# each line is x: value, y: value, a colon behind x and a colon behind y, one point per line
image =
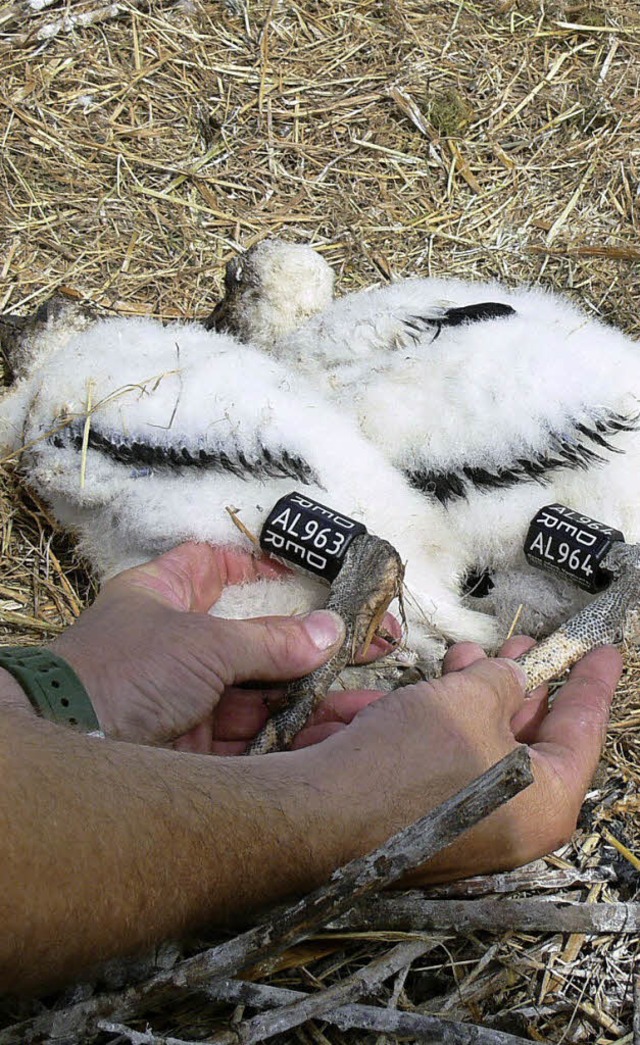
x: 145, y: 141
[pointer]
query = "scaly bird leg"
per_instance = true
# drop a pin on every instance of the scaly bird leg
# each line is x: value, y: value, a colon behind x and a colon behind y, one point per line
x: 609, y: 618
x: 369, y: 579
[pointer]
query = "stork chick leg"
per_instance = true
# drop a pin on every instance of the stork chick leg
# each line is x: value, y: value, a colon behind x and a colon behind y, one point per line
x: 369, y: 579
x: 609, y: 618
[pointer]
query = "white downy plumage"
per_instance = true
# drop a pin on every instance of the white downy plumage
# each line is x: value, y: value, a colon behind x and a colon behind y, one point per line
x: 490, y: 412
x: 185, y: 423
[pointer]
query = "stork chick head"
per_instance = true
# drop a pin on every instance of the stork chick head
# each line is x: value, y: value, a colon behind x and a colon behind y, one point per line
x: 271, y: 291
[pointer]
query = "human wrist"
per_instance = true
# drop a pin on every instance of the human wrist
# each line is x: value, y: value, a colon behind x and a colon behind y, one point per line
x: 336, y: 782
x: 49, y: 684
x: 312, y: 809
x: 12, y: 695
x: 85, y: 666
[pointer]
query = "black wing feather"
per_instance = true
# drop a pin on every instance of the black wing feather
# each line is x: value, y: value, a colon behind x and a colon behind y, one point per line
x: 454, y: 317
x: 265, y: 464
x: 570, y: 450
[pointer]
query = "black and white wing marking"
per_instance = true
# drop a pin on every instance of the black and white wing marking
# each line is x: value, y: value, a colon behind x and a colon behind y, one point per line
x: 182, y: 453
x: 574, y: 448
x: 437, y: 319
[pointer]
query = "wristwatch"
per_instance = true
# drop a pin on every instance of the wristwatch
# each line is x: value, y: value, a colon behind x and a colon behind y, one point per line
x: 52, y: 686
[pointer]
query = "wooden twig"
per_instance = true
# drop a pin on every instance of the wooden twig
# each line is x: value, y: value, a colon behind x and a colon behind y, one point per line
x: 412, y: 912
x: 365, y: 980
x: 407, y: 849
x: 22, y: 12
x: 487, y: 978
x: 535, y: 876
x: 137, y: 1037
x: 621, y: 848
x: 413, y: 1026
x: 636, y: 1009
x: 79, y: 17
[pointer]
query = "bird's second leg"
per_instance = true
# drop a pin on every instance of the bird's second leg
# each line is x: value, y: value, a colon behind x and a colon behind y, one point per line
x: 609, y: 618
x: 369, y: 579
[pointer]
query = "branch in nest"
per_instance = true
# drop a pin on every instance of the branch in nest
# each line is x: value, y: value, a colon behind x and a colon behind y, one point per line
x: 78, y: 17
x: 412, y: 912
x: 410, y: 1025
x: 137, y: 1037
x: 535, y: 876
x: 364, y: 981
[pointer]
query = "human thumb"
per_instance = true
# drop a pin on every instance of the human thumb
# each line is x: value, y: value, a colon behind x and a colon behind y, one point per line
x: 273, y: 649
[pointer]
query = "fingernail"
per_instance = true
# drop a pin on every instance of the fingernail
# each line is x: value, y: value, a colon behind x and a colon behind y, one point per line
x: 518, y: 671
x: 324, y: 628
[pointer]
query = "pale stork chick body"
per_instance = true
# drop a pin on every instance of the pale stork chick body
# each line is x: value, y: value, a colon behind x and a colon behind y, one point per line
x: 179, y: 424
x: 491, y: 401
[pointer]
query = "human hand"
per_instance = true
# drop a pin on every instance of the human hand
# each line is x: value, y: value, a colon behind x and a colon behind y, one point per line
x: 156, y: 665
x: 405, y: 754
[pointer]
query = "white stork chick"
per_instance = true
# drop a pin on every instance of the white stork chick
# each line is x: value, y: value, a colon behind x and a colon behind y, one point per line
x: 180, y: 424
x: 491, y: 401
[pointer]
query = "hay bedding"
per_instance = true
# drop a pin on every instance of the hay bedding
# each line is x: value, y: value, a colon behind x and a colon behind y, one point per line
x: 143, y: 143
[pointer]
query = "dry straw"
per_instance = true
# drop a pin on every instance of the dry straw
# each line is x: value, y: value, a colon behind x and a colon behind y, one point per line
x: 142, y: 143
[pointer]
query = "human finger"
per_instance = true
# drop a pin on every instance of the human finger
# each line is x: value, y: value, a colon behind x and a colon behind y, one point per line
x: 344, y: 705
x: 336, y: 711
x: 501, y: 678
x: 227, y: 748
x: 516, y: 646
x: 307, y: 737
x: 526, y: 721
x: 570, y: 737
x: 564, y: 757
x: 242, y: 712
x: 334, y: 714
x: 197, y: 740
x: 529, y: 714
x: 311, y: 735
x: 461, y: 655
x: 277, y: 648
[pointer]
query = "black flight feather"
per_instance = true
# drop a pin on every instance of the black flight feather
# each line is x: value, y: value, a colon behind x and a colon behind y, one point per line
x: 264, y: 464
x: 569, y: 450
x: 456, y: 316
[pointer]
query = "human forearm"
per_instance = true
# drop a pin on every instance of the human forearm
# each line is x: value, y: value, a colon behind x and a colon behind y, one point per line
x: 109, y: 847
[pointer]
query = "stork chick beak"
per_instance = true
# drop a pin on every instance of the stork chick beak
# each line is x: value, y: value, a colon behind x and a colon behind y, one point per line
x: 218, y: 320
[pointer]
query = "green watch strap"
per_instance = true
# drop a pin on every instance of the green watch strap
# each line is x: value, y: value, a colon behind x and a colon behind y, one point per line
x: 51, y: 685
